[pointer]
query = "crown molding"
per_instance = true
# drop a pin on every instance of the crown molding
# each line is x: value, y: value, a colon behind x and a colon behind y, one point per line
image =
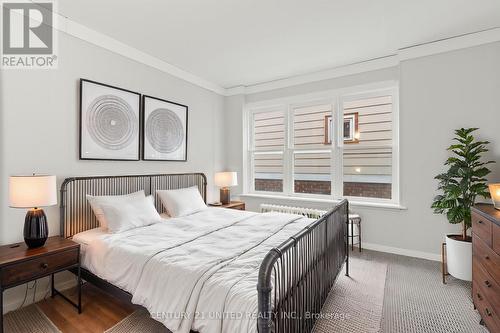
x: 407, y: 53
x: 360, y: 67
x: 450, y: 44
x: 72, y: 28
x: 77, y: 30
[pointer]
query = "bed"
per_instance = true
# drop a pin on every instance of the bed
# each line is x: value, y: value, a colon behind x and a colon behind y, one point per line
x: 217, y: 270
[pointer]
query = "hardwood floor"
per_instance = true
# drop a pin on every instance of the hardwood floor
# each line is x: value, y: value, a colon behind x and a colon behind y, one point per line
x: 100, y: 311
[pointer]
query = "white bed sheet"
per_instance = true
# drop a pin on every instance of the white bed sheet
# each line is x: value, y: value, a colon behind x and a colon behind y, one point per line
x: 85, y: 238
x: 190, y: 271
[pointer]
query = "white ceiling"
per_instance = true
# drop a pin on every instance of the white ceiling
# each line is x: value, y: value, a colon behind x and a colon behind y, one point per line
x: 245, y: 42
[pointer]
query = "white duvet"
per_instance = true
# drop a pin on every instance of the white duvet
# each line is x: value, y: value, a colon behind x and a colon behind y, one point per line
x: 197, y: 272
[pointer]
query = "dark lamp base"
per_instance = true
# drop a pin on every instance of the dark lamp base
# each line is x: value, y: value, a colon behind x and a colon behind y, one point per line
x: 225, y: 196
x: 36, y: 229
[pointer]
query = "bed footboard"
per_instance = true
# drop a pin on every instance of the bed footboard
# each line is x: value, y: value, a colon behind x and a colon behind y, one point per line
x: 296, y: 277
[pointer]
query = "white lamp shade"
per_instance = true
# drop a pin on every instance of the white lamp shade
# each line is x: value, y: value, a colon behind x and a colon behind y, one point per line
x: 32, y: 191
x: 226, y: 179
x: 495, y: 194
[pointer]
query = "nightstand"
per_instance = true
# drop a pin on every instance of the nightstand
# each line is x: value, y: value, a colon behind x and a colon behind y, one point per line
x: 19, y: 265
x: 239, y: 205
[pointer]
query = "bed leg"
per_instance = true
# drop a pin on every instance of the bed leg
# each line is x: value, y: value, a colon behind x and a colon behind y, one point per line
x: 347, y: 266
x: 352, y: 236
x: 347, y: 244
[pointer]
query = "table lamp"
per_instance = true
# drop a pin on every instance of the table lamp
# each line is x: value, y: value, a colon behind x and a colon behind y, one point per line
x: 33, y: 192
x: 495, y: 194
x: 224, y: 180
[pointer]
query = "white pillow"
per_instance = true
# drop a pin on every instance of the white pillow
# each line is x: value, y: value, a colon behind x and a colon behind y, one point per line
x: 135, y: 213
x: 96, y: 202
x: 182, y: 202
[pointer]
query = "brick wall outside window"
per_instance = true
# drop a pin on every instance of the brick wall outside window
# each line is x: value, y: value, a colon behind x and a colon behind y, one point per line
x: 354, y: 189
x: 269, y: 185
x: 368, y: 190
x: 312, y: 187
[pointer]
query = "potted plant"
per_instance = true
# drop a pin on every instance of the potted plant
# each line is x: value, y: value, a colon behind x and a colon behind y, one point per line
x: 460, y: 185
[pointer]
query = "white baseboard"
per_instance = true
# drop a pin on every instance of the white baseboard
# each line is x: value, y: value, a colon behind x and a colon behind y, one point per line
x: 402, y: 252
x: 14, y: 302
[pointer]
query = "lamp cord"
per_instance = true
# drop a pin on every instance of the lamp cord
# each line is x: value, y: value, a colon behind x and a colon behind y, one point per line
x: 26, y: 293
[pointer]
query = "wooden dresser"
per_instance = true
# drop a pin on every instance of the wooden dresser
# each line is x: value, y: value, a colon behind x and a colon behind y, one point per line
x: 486, y: 264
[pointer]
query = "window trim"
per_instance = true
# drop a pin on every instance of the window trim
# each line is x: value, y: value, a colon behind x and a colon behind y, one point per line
x: 336, y: 98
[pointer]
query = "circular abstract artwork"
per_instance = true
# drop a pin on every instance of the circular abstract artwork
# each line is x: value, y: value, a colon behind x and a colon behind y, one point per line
x: 111, y: 122
x: 164, y: 130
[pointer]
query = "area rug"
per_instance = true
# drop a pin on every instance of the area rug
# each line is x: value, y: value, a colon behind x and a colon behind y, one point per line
x: 354, y: 304
x: 28, y: 319
x: 138, y: 322
x: 356, y: 301
x: 416, y: 300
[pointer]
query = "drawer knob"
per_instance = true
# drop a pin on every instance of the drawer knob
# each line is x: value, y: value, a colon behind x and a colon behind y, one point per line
x: 488, y: 312
x: 487, y: 257
x: 480, y: 222
x: 44, y: 265
x: 479, y: 297
x: 487, y: 283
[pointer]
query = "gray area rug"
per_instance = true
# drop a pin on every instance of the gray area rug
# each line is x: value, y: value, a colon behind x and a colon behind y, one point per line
x: 138, y: 322
x: 28, y: 319
x: 417, y: 301
x: 356, y: 301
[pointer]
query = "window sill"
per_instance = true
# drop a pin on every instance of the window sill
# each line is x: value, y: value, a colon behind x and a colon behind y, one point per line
x: 353, y: 203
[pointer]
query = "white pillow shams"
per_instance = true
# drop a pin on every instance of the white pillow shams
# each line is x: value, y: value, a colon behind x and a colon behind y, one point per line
x: 120, y: 200
x: 134, y: 214
x: 182, y: 202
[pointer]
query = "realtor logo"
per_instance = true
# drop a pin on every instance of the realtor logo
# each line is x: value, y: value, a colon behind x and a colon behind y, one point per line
x: 28, y: 35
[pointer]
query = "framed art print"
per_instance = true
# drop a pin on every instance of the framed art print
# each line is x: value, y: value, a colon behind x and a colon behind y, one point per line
x: 164, y: 130
x: 109, y: 122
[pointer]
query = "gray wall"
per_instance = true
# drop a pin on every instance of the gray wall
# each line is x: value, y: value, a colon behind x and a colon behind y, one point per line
x: 40, y: 121
x: 39, y: 124
x: 437, y: 94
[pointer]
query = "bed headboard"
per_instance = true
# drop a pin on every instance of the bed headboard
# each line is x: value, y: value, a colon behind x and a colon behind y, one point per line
x: 76, y: 213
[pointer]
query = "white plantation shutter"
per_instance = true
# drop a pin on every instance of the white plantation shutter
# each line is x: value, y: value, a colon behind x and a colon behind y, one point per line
x: 312, y: 167
x: 268, y: 128
x: 368, y: 163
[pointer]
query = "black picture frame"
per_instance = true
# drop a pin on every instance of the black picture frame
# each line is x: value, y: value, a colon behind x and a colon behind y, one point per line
x: 143, y: 129
x: 81, y: 157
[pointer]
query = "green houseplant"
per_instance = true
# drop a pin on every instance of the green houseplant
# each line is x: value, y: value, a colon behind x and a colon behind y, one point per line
x: 460, y: 185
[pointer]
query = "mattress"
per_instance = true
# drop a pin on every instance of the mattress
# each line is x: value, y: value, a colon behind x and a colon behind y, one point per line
x: 196, y: 272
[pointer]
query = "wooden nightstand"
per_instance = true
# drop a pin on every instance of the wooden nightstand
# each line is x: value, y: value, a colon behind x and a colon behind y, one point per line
x: 239, y: 205
x: 19, y: 265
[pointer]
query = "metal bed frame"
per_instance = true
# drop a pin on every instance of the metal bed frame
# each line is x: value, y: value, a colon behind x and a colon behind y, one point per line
x: 294, y: 278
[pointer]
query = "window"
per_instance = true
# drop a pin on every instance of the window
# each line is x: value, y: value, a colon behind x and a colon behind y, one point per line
x: 312, y: 172
x: 268, y: 132
x: 342, y: 145
x: 367, y: 159
x: 351, y: 133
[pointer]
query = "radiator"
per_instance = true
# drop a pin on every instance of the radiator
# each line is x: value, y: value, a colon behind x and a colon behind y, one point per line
x: 308, y: 212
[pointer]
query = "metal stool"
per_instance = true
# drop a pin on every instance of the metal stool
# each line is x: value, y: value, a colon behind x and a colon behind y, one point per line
x: 355, y: 219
